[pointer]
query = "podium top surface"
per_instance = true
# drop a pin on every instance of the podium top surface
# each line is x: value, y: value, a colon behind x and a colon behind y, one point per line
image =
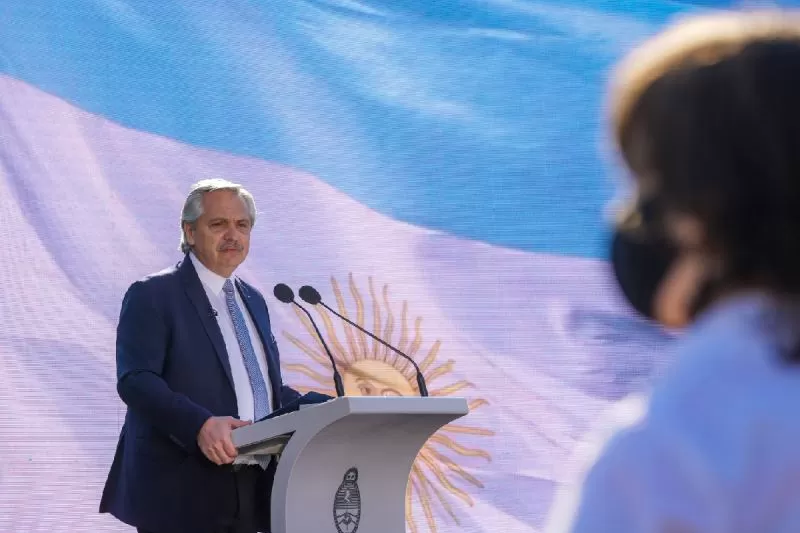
x: 400, y: 405
x: 325, y: 413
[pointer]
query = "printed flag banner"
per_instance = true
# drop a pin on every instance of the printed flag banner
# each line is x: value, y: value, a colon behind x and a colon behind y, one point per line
x: 438, y: 171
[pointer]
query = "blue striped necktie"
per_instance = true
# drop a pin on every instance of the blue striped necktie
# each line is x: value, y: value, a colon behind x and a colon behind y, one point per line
x: 260, y: 395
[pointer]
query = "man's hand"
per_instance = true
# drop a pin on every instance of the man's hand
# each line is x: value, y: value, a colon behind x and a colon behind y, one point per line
x: 215, y: 441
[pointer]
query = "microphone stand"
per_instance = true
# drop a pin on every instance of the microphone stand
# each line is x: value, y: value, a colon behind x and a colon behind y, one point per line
x: 311, y: 296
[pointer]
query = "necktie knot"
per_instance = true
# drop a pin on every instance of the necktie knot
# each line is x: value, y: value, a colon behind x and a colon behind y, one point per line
x: 228, y: 287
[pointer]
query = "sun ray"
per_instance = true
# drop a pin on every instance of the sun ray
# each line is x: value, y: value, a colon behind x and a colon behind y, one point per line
x: 411, y: 374
x: 333, y: 338
x: 316, y: 356
x: 412, y: 526
x: 443, y: 481
x: 362, y: 337
x: 404, y: 329
x: 403, y: 365
x: 439, y: 496
x: 303, y: 369
x: 449, y: 443
x: 443, y: 501
x: 376, y: 318
x: 412, y: 350
x: 440, y: 371
x: 310, y: 328
x: 431, y: 357
x: 348, y: 329
x: 438, y: 479
x: 451, y: 389
x: 425, y: 499
x: 474, y: 404
x: 387, y: 332
x: 467, y: 430
x: 449, y: 463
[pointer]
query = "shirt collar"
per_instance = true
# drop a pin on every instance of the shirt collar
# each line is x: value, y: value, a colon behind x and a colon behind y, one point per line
x: 746, y: 310
x: 210, y: 279
x: 745, y: 303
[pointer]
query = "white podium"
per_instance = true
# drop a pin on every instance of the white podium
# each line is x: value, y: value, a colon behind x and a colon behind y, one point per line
x: 344, y: 465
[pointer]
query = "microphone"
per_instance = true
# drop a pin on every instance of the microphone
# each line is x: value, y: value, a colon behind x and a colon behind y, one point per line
x: 286, y: 295
x: 311, y: 296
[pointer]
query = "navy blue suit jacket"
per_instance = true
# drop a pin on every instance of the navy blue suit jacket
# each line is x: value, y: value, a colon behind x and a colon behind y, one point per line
x: 173, y: 374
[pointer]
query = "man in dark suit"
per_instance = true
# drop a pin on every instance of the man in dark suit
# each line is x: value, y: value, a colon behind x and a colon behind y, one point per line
x: 195, y: 360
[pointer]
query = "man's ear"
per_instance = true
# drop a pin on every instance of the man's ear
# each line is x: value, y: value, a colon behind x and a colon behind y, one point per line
x: 188, y: 230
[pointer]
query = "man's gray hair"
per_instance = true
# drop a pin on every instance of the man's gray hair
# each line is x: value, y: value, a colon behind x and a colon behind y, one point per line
x: 193, y: 206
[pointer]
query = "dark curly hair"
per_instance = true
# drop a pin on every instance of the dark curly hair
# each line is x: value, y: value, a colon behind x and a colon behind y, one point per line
x: 707, y: 117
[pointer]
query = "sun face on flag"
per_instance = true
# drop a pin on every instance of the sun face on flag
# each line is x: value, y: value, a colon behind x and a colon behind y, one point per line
x: 438, y: 477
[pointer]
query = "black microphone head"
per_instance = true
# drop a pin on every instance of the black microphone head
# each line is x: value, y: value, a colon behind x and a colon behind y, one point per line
x: 310, y: 295
x: 283, y: 293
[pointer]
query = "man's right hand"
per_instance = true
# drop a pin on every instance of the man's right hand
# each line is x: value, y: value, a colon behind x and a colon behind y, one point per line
x: 215, y: 441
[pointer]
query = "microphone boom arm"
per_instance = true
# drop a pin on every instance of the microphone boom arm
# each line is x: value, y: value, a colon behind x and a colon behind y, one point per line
x: 337, y: 378
x: 423, y: 388
x: 285, y: 294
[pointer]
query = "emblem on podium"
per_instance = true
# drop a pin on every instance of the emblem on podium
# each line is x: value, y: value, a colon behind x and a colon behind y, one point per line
x: 347, y: 503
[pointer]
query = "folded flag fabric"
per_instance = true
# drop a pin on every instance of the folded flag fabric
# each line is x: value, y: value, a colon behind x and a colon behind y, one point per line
x: 437, y: 173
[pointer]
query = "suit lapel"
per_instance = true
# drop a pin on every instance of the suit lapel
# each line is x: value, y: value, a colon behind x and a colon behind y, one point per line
x: 258, y: 312
x: 197, y: 295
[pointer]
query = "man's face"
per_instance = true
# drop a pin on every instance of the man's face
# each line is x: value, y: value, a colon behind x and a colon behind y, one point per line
x: 221, y: 236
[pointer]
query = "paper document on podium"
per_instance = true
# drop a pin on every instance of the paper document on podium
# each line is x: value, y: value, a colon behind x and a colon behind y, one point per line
x: 271, y: 446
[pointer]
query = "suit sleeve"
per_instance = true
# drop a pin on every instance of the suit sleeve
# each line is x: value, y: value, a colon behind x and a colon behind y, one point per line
x: 142, y: 340
x: 287, y: 394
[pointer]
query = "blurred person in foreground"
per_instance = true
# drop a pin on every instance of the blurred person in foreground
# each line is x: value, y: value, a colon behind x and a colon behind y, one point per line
x: 706, y: 116
x: 196, y: 359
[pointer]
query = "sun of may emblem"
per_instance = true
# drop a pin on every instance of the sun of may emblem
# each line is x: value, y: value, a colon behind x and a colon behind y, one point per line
x: 439, y: 476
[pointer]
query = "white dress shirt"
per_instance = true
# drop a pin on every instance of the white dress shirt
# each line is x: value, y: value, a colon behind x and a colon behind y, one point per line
x: 212, y: 283
x: 716, y: 447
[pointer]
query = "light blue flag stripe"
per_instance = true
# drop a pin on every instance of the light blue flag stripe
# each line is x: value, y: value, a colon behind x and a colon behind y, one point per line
x: 482, y: 119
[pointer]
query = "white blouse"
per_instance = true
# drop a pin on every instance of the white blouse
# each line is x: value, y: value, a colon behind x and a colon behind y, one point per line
x: 716, y: 447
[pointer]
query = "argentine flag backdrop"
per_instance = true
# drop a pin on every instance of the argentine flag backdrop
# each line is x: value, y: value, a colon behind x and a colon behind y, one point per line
x: 438, y: 170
